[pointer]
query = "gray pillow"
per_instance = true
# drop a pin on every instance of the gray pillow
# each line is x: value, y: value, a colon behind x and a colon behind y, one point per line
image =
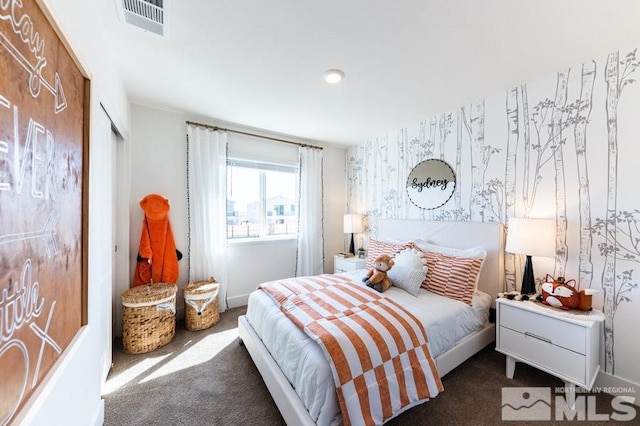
x: 407, y: 278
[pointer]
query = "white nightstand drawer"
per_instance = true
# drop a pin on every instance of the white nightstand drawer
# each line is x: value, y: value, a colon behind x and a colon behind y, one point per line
x: 542, y: 354
x: 559, y: 333
x: 347, y: 264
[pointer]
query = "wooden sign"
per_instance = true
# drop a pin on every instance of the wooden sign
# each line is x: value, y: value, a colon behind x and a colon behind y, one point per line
x: 43, y: 146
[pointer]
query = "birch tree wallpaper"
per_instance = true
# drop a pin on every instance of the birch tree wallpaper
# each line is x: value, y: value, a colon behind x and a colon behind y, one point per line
x: 564, y: 147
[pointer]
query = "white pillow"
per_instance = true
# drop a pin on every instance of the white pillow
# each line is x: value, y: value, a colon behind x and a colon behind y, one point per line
x: 396, y: 241
x: 474, y: 252
x: 412, y: 258
x: 481, y: 301
x: 409, y: 270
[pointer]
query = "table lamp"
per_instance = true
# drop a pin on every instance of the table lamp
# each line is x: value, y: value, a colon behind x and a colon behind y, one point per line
x: 352, y: 225
x: 531, y: 237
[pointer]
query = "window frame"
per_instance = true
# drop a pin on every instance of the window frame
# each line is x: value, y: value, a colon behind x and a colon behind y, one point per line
x: 263, y: 167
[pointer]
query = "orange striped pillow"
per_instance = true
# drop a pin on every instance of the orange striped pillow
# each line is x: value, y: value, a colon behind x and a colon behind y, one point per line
x: 452, y: 276
x: 376, y: 248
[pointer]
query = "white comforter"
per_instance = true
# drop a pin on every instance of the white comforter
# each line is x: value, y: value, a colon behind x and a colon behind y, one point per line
x: 303, y: 363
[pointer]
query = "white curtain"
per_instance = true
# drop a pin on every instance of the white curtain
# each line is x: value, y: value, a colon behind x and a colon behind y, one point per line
x: 310, y: 252
x: 207, y: 191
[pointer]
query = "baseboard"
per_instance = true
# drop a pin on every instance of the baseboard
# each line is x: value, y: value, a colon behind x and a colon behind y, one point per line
x: 237, y: 301
x: 617, y: 386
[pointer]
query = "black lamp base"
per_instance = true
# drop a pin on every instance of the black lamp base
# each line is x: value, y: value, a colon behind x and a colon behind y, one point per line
x: 528, y: 281
x: 352, y: 249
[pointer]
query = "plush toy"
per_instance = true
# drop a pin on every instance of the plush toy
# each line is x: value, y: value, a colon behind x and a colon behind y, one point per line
x: 562, y: 294
x: 376, y: 277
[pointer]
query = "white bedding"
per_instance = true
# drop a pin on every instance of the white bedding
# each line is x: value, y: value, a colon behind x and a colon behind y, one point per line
x: 303, y: 363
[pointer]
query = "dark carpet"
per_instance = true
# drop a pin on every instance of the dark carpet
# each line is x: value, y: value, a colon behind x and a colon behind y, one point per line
x: 207, y: 378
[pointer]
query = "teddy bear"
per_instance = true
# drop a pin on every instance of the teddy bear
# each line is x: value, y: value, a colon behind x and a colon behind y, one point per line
x: 376, y: 277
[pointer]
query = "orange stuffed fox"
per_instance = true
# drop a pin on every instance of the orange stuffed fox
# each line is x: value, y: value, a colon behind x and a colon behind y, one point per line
x: 157, y: 255
x: 561, y: 294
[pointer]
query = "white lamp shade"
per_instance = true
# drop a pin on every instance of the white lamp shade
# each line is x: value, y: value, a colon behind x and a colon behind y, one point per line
x: 352, y: 223
x: 532, y: 237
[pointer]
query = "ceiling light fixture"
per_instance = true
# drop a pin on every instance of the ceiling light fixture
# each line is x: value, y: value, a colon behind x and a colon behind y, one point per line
x: 333, y: 76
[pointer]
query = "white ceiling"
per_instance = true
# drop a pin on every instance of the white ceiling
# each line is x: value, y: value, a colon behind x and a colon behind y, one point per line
x: 259, y: 63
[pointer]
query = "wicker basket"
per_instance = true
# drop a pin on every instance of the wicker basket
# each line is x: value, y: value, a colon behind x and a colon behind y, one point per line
x: 148, y: 317
x: 201, y: 304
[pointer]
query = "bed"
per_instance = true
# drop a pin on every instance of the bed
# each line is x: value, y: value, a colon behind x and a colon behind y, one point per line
x: 271, y: 338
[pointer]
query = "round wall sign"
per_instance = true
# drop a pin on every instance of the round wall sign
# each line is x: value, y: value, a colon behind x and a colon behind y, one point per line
x: 431, y: 184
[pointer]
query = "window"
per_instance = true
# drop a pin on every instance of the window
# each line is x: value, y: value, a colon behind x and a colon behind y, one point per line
x: 261, y: 199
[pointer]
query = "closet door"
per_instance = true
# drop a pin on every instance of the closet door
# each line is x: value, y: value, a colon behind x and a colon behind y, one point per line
x: 101, y: 256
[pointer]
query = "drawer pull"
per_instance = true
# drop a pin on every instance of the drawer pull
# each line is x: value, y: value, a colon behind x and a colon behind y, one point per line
x: 544, y: 339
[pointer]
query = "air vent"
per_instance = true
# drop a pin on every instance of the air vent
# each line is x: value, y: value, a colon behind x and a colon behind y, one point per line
x: 150, y: 15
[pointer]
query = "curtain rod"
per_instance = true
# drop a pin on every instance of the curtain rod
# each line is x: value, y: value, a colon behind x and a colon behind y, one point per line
x: 207, y: 126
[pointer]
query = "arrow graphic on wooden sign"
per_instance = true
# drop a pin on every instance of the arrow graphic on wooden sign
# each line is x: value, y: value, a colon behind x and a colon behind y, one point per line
x: 36, y: 81
x: 47, y: 233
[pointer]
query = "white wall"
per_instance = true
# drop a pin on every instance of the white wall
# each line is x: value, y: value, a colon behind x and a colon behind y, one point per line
x: 158, y: 165
x: 70, y: 394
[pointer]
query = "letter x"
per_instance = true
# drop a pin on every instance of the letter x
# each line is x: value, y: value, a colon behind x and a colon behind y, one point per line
x: 45, y: 339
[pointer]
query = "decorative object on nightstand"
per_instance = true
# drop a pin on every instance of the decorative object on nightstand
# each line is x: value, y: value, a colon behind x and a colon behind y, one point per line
x: 565, y: 344
x: 344, y: 254
x: 531, y: 237
x: 347, y: 264
x: 352, y: 225
x: 560, y: 293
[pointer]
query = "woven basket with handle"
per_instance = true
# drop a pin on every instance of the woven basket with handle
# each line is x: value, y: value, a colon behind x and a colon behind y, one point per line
x: 201, y: 304
x: 148, y: 317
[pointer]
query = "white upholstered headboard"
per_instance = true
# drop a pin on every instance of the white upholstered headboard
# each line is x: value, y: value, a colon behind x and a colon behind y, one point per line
x: 461, y: 235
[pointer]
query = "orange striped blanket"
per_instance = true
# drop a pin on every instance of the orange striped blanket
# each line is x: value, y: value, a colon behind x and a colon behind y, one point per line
x: 377, y: 349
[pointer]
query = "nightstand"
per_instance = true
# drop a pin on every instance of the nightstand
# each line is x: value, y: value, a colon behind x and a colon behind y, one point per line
x: 347, y: 264
x: 565, y: 344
